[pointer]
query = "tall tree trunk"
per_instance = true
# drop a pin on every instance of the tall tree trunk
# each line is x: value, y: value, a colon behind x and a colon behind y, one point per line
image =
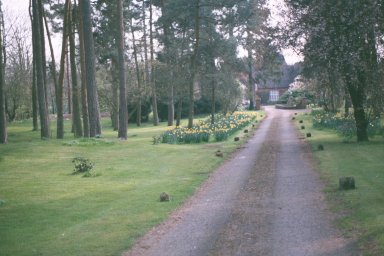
x: 53, y: 64
x: 76, y: 113
x: 194, y: 65
x: 84, y: 102
x: 123, y: 112
x: 213, y: 99
x: 68, y: 80
x: 152, y: 76
x: 251, y: 85
x: 373, y: 71
x: 347, y: 103
x: 60, y: 84
x: 3, y: 119
x: 168, y: 57
x: 145, y: 44
x: 139, y: 109
x: 89, y: 54
x: 148, y: 78
x: 138, y: 77
x: 35, y: 104
x: 38, y: 52
x: 115, y: 94
x: 178, y: 112
x: 357, y: 94
x: 171, y: 103
x: 43, y: 55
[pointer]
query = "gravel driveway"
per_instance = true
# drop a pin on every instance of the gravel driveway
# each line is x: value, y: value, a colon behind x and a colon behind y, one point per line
x: 265, y: 200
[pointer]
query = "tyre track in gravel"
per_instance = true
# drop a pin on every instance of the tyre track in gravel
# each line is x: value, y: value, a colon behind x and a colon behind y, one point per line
x: 265, y: 200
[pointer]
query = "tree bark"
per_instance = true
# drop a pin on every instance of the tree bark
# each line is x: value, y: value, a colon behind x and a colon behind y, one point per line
x: 89, y: 54
x: 123, y: 112
x: 115, y: 94
x: 213, y: 99
x: 84, y: 102
x: 139, y: 85
x: 152, y: 75
x: 251, y: 85
x: 178, y: 113
x: 43, y: 55
x: 76, y: 113
x: 168, y: 58
x: 60, y: 84
x: 38, y: 53
x: 3, y: 119
x: 357, y: 94
x: 373, y: 71
x: 194, y: 65
x: 171, y: 103
x: 68, y: 78
x: 53, y: 64
x: 35, y: 104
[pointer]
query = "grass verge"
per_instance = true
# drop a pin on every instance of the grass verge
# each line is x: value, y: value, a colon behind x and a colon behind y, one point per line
x: 360, y: 212
x: 46, y: 210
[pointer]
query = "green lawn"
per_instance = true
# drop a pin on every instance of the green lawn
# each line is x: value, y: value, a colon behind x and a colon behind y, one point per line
x: 45, y: 210
x: 360, y: 212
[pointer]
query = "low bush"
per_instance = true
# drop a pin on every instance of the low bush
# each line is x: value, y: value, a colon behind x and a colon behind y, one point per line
x: 82, y: 165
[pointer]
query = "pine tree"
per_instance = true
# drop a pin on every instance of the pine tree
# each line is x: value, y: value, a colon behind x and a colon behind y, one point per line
x: 39, y: 68
x: 89, y: 59
x: 123, y: 112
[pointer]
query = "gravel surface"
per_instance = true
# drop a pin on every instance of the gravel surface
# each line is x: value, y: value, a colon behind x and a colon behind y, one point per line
x: 265, y: 200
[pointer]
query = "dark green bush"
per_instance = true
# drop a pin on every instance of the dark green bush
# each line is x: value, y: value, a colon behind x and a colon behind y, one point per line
x: 82, y: 165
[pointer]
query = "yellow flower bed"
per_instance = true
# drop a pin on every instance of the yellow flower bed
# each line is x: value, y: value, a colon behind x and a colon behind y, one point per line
x: 220, y: 130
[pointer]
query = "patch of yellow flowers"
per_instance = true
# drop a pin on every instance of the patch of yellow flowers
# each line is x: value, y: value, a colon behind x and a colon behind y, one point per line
x: 223, y: 127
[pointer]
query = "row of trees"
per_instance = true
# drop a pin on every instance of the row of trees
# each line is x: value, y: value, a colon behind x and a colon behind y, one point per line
x: 134, y: 55
x: 342, y: 44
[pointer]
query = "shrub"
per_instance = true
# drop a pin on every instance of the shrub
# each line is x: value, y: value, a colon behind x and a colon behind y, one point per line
x: 296, y: 95
x: 82, y: 165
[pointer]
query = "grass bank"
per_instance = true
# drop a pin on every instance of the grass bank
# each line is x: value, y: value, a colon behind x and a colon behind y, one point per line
x: 45, y: 210
x: 361, y: 211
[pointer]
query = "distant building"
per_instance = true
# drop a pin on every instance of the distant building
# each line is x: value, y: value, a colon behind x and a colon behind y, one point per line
x: 270, y: 89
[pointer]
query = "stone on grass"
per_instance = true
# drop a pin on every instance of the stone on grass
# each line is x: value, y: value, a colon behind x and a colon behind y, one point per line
x: 301, y: 121
x: 302, y: 127
x: 246, y: 131
x: 236, y: 139
x: 164, y: 197
x: 346, y: 183
x: 219, y: 153
x: 309, y: 135
x: 293, y: 118
x: 320, y: 147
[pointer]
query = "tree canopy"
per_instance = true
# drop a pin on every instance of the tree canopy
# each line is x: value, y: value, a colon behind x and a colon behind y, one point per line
x: 177, y: 58
x: 341, y: 42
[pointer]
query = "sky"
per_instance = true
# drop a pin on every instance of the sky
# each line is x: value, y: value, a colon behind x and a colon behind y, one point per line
x: 16, y: 5
x: 20, y: 7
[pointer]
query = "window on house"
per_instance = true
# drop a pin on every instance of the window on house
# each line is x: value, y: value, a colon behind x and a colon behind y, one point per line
x: 274, y: 95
